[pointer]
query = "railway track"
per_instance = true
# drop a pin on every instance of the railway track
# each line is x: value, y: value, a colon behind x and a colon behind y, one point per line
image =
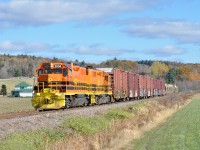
x: 35, y: 112
x: 19, y: 114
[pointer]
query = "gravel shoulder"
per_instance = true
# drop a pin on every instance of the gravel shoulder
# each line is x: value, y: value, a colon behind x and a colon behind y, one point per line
x: 53, y: 119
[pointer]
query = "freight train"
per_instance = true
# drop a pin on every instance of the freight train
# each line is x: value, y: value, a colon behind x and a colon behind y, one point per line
x: 59, y: 85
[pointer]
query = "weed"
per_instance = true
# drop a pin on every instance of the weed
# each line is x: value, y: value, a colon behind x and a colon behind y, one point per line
x: 117, y: 113
x: 86, y: 125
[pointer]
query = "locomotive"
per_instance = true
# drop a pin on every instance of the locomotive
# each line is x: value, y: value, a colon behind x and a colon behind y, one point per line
x: 59, y: 85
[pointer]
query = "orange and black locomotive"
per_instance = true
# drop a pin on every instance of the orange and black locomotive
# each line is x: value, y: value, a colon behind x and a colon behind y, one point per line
x: 61, y: 85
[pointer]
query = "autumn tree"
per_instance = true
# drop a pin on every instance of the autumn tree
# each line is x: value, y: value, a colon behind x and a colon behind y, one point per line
x: 159, y: 69
x: 187, y: 73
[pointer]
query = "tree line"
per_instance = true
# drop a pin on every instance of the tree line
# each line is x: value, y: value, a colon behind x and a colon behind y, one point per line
x: 185, y: 75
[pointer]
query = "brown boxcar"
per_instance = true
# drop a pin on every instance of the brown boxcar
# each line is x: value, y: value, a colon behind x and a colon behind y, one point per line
x: 148, y: 86
x: 155, y: 87
x: 130, y: 85
x: 145, y: 85
x: 119, y: 82
x: 124, y: 84
x: 163, y: 88
x: 133, y: 85
x: 152, y: 94
x: 141, y: 86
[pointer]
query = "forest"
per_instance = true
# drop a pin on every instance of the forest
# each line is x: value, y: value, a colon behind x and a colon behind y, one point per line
x: 186, y: 76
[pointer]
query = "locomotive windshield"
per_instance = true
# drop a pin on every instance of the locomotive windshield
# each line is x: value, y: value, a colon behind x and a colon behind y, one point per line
x: 57, y: 71
x: 52, y: 71
x: 40, y: 72
x: 47, y: 71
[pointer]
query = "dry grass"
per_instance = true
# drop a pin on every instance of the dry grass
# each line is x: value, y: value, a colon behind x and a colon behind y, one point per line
x: 10, y: 83
x: 120, y: 133
x: 9, y: 104
x: 115, y: 135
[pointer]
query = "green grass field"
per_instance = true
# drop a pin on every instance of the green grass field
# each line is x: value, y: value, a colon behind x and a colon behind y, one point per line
x: 10, y: 83
x: 9, y: 104
x: 181, y: 131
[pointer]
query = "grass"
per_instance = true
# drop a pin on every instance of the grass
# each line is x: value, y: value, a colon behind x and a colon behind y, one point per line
x: 31, y: 140
x: 86, y: 125
x: 11, y: 104
x: 180, y: 132
x: 76, y: 125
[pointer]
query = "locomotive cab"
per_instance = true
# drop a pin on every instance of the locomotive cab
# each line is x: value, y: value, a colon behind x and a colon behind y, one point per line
x: 52, y: 72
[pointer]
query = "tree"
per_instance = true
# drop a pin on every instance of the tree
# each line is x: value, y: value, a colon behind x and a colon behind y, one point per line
x: 30, y: 69
x: 54, y: 59
x: 172, y: 75
x: 76, y: 61
x: 159, y: 69
x: 82, y: 63
x: 17, y: 73
x: 3, y: 90
x: 115, y: 58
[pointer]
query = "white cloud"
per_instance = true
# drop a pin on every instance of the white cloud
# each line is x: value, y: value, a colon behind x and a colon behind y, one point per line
x: 32, y: 12
x: 181, y: 31
x: 23, y: 47
x: 166, y: 51
x: 96, y: 50
x: 38, y: 48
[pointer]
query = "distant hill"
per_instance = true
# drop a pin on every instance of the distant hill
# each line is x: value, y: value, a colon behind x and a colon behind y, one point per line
x: 20, y: 65
x: 171, y: 72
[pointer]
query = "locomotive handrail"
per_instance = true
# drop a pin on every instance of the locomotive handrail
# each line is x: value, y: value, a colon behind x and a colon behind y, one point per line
x: 39, y: 86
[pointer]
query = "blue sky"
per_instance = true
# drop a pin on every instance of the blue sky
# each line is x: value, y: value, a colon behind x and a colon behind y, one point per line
x: 95, y: 31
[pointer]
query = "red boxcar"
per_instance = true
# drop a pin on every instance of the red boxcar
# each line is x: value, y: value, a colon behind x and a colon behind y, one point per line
x: 119, y: 82
x: 163, y: 88
x: 148, y: 86
x: 124, y: 84
x: 129, y: 85
x: 155, y: 87
x: 152, y: 94
x: 133, y: 85
x: 145, y: 86
x: 141, y: 86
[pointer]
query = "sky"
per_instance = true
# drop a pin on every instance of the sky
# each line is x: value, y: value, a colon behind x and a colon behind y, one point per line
x: 100, y: 30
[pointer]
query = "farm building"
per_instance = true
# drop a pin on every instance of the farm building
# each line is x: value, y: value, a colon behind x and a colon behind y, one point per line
x: 22, y: 89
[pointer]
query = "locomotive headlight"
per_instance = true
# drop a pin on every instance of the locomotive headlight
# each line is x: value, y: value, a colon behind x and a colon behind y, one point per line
x: 38, y: 94
x: 51, y: 65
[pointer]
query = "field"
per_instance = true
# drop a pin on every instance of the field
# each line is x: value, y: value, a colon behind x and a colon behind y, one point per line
x: 9, y: 104
x: 113, y: 129
x: 180, y: 131
x: 10, y: 83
